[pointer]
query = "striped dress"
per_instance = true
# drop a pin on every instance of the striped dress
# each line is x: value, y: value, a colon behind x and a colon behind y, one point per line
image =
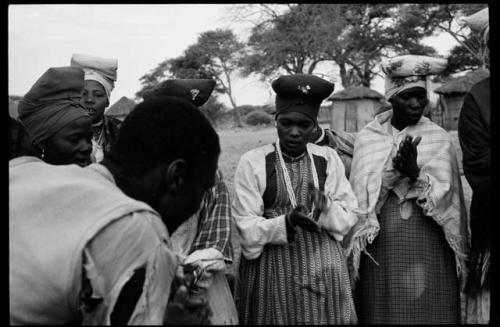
x: 305, y: 281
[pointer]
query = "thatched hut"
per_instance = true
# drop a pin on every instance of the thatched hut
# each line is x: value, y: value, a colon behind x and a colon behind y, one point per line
x: 121, y: 108
x: 354, y: 107
x: 452, y: 94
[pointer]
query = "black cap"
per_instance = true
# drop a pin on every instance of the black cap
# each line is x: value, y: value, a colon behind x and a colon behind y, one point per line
x: 301, y: 93
x: 196, y: 91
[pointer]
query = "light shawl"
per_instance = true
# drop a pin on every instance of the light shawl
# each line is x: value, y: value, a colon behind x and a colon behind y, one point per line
x: 444, y: 200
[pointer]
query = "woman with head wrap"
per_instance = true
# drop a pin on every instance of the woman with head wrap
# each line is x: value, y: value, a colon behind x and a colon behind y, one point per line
x: 292, y: 207
x: 405, y: 175
x: 100, y: 77
x: 57, y: 124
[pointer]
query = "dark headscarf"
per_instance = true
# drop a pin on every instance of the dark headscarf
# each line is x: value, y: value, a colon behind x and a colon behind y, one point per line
x: 301, y: 93
x: 52, y: 103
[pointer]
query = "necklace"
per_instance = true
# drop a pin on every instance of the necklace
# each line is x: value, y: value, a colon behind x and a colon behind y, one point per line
x: 288, y: 182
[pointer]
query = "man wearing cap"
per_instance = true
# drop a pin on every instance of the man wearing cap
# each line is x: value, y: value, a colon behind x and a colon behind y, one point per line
x: 292, y: 207
x: 474, y: 132
x: 204, y: 240
x: 100, y: 77
x: 413, y: 223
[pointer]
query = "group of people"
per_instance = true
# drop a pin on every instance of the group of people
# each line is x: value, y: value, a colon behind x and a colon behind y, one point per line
x: 130, y: 223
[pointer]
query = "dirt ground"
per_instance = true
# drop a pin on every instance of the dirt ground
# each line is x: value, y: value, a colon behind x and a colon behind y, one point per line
x: 235, y: 142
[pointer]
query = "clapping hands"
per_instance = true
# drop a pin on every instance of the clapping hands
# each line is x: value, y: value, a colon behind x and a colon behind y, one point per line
x: 405, y: 160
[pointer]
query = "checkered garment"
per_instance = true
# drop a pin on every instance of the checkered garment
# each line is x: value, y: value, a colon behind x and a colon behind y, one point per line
x: 438, y: 191
x: 303, y: 282
x: 215, y: 222
x: 415, y: 280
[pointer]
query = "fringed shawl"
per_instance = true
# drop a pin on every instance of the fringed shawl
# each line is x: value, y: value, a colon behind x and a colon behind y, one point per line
x: 443, y: 200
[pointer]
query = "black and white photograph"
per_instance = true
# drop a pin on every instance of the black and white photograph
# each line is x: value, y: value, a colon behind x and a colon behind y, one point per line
x: 250, y: 164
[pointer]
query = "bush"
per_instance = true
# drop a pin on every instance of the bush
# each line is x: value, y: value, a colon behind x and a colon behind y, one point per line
x: 246, y: 109
x: 258, y: 117
x: 213, y: 109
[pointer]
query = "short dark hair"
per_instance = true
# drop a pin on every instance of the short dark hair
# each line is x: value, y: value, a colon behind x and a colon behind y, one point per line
x: 160, y: 130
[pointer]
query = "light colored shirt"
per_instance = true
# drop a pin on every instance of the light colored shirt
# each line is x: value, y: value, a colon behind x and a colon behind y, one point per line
x: 248, y: 205
x: 68, y: 224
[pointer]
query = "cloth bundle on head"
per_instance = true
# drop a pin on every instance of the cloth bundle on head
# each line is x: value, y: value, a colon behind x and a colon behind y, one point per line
x: 404, y: 72
x: 301, y: 93
x: 52, y: 102
x: 101, y: 70
x: 196, y: 91
x: 478, y: 22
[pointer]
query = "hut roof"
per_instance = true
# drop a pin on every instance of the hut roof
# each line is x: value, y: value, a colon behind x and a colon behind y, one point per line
x: 356, y: 92
x: 122, y: 107
x: 464, y: 83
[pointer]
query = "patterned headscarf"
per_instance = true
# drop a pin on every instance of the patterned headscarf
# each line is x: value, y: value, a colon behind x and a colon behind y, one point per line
x: 478, y: 22
x: 404, y: 72
x: 52, y: 103
x: 101, y: 70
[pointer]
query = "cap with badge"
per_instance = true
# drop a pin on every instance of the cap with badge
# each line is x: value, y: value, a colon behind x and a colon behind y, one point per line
x: 196, y: 91
x: 52, y: 102
x: 101, y: 70
x: 404, y: 72
x: 301, y: 93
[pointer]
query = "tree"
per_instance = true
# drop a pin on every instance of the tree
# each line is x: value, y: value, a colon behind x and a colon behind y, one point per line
x: 353, y: 36
x: 215, y: 55
x: 471, y: 52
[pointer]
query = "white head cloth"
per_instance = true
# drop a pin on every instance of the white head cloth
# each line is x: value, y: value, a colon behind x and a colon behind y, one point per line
x: 101, y: 70
x: 404, y: 72
x: 478, y: 22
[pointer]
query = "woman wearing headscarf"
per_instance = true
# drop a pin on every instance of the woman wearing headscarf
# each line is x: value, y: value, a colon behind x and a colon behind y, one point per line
x: 413, y: 223
x: 57, y: 124
x: 292, y: 207
x: 100, y: 77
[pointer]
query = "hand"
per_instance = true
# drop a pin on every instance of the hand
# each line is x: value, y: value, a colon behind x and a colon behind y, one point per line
x: 186, y: 309
x: 298, y: 217
x: 319, y: 199
x: 406, y: 158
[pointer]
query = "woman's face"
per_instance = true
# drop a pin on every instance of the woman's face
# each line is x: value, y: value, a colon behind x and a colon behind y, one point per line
x: 95, y: 100
x: 408, y: 106
x: 70, y: 145
x: 294, y: 131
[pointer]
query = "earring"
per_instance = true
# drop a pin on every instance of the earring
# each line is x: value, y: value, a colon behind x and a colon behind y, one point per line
x: 43, y: 153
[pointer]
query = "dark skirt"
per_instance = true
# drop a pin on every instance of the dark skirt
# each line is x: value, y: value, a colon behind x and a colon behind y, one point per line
x: 416, y: 280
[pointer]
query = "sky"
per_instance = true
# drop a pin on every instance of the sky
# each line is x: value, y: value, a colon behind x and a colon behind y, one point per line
x: 139, y: 36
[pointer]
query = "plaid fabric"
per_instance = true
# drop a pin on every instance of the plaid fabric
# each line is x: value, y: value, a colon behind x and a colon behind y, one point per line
x: 443, y: 200
x: 214, y: 228
x: 415, y: 281
x: 303, y: 282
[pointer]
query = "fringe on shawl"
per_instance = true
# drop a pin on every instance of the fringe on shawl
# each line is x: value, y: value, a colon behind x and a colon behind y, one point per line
x: 363, y: 233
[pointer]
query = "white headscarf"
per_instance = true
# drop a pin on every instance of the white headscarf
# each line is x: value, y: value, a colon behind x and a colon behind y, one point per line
x: 101, y: 70
x: 404, y: 72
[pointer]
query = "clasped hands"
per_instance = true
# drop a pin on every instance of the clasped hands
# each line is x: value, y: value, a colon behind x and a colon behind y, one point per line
x: 405, y: 160
x: 299, y: 216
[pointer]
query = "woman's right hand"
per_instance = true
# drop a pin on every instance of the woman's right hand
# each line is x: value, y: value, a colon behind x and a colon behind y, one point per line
x: 298, y: 217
